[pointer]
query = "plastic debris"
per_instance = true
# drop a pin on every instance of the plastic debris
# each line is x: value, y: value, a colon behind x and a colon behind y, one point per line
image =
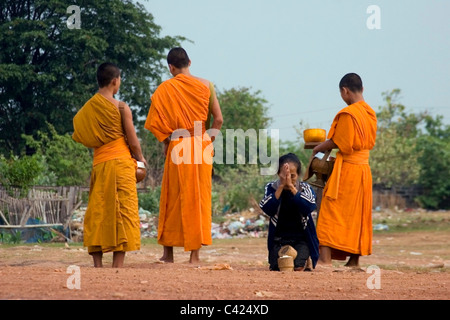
x: 249, y: 223
x: 380, y: 227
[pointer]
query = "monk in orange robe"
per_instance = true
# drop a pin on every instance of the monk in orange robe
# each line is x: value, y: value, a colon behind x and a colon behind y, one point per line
x: 177, y: 116
x: 344, y: 225
x: 111, y: 222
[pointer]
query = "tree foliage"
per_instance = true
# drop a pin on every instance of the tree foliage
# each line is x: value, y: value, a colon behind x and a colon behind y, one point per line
x: 412, y: 149
x: 394, y: 159
x: 243, y: 109
x: 244, y: 113
x: 434, y: 150
x: 47, y: 71
x: 67, y: 162
x: 240, y: 186
x: 20, y: 172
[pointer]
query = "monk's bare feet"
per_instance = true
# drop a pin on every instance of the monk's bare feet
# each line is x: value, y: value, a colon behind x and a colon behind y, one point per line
x: 195, y: 257
x: 118, y: 259
x: 353, y: 262
x: 98, y: 259
x: 324, y: 267
x: 324, y: 256
x: 167, y: 256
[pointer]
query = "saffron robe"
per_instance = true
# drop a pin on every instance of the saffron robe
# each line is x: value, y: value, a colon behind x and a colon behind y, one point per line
x: 178, y: 106
x: 345, y: 217
x: 111, y: 222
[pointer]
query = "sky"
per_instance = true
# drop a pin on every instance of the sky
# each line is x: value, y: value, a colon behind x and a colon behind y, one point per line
x: 295, y: 52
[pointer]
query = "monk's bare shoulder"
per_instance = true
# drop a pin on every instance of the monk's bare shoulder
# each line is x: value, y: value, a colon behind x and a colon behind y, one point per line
x: 122, y: 104
x: 116, y: 102
x: 204, y: 81
x: 113, y: 101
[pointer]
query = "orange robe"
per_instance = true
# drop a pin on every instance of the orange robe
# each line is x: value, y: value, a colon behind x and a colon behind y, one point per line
x: 185, y: 204
x: 111, y: 222
x: 345, y: 217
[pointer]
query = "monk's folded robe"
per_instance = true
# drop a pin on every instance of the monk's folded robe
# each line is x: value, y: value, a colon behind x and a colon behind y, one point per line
x: 111, y: 222
x: 178, y: 106
x: 345, y: 217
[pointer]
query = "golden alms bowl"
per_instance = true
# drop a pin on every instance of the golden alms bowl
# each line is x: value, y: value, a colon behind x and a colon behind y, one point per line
x: 314, y: 135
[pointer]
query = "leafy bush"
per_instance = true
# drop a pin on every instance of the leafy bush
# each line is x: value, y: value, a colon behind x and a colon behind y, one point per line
x: 150, y: 200
x: 67, y: 162
x: 10, y: 237
x: 239, y: 189
x: 20, y: 172
x: 434, y: 158
x: 412, y: 149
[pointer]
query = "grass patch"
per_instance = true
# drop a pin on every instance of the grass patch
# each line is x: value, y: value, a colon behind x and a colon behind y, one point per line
x: 413, y: 221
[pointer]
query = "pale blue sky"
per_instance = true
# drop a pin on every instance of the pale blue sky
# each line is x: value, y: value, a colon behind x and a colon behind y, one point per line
x: 295, y: 52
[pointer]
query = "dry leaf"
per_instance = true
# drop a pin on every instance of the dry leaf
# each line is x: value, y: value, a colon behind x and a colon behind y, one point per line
x: 265, y: 294
x: 220, y: 266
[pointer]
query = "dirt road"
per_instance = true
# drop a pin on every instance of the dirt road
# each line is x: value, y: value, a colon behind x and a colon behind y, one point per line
x: 404, y: 266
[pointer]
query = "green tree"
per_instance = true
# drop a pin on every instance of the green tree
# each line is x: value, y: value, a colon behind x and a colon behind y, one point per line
x: 394, y: 159
x: 412, y: 149
x: 20, y: 172
x: 67, y: 161
x: 434, y: 150
x: 154, y: 154
x: 244, y: 113
x: 240, y: 189
x: 47, y: 71
x: 240, y: 186
x: 243, y: 109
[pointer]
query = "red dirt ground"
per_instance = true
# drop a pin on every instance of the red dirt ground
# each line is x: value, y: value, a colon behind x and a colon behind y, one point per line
x: 413, y: 266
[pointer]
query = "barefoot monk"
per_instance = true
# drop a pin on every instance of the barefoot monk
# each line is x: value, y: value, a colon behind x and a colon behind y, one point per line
x: 344, y: 225
x: 177, y: 117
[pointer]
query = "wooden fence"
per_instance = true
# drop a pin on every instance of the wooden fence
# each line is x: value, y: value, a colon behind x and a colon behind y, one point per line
x: 400, y: 198
x: 51, y: 206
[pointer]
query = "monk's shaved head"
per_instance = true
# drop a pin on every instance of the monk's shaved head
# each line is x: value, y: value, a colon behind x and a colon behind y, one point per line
x: 178, y: 58
x: 352, y: 82
x: 106, y: 72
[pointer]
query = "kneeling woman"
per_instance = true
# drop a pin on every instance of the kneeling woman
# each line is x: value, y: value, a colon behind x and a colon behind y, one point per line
x: 289, y: 203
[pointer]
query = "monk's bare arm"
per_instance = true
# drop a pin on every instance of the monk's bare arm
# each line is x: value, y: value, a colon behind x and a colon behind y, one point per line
x: 133, y: 141
x: 325, y: 146
x: 166, y: 145
x: 216, y: 113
